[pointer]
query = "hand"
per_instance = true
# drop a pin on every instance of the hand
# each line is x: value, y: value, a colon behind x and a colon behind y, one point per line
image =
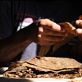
x: 50, y: 33
x: 79, y: 23
x: 79, y: 30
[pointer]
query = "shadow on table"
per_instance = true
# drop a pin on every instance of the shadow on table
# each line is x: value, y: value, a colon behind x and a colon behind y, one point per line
x: 3, y: 79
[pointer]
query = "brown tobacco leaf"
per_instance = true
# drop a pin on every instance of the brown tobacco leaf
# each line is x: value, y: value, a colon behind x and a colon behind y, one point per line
x: 48, y: 63
x: 44, y: 67
x: 55, y: 63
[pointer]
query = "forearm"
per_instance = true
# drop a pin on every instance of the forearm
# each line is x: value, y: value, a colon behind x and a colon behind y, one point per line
x: 12, y: 46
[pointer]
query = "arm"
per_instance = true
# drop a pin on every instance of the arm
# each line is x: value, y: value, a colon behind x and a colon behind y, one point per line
x: 12, y: 46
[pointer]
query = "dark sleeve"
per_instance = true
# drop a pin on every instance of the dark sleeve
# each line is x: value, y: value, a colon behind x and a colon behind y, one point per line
x: 8, y: 18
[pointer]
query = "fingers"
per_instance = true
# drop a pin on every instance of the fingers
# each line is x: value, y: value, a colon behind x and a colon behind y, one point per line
x: 79, y: 22
x: 79, y: 31
x: 50, y: 38
x: 50, y: 24
x: 49, y: 41
x: 50, y: 33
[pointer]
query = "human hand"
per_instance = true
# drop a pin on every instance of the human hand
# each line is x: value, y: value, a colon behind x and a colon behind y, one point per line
x: 79, y: 30
x: 50, y: 33
x: 79, y: 23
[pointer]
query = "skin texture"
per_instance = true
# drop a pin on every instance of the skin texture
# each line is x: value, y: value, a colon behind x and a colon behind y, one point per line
x: 50, y: 32
x: 79, y: 30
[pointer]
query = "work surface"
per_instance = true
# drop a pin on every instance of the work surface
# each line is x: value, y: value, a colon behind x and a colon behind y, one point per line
x: 2, y: 79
